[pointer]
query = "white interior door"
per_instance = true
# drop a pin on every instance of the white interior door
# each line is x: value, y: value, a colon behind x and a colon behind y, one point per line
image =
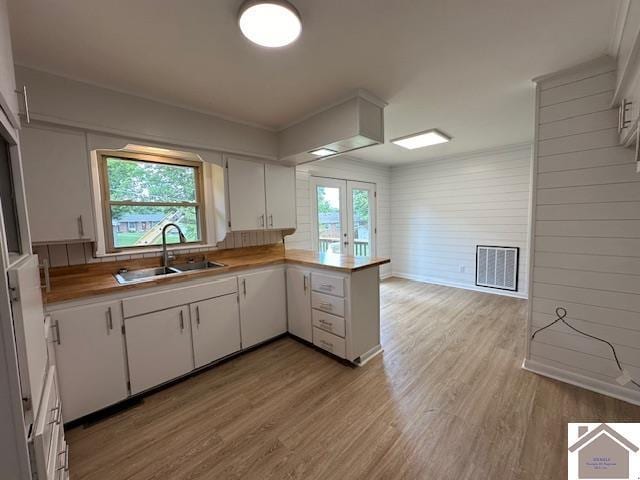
x: 344, y: 216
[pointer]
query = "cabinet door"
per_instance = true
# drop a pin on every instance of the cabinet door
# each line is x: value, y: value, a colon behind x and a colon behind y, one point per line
x: 89, y: 350
x: 299, y: 303
x: 263, y: 312
x: 158, y: 347
x: 245, y: 182
x: 215, y: 326
x: 8, y: 98
x: 57, y: 184
x: 280, y: 185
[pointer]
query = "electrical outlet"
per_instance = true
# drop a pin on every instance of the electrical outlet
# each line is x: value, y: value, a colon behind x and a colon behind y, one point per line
x: 462, y: 268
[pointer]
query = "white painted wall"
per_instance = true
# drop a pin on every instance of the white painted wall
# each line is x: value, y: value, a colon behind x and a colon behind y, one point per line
x: 349, y: 169
x: 441, y: 209
x: 587, y: 234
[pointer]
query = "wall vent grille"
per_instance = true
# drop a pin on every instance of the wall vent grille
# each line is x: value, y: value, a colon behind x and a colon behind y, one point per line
x: 497, y: 267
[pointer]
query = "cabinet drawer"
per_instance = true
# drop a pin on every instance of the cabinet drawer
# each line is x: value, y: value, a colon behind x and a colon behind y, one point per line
x: 327, y: 284
x: 48, y: 424
x: 328, y: 322
x: 327, y: 303
x: 329, y: 342
x: 154, y: 302
x: 62, y: 460
x: 59, y: 456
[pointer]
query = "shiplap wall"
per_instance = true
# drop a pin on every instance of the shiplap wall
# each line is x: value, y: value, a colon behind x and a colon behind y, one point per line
x: 441, y: 209
x: 587, y: 234
x: 348, y: 169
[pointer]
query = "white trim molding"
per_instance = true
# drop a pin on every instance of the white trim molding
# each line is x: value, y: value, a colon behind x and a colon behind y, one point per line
x: 444, y: 283
x: 582, y: 381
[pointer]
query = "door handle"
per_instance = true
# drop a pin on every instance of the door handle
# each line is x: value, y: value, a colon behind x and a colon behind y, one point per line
x: 262, y: 220
x: 244, y: 286
x: 304, y: 282
x: 271, y: 220
x: 198, y: 314
x: 181, y: 320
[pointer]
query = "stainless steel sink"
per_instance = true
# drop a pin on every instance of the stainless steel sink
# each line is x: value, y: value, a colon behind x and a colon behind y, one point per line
x: 204, y: 265
x: 145, y: 274
x: 125, y: 276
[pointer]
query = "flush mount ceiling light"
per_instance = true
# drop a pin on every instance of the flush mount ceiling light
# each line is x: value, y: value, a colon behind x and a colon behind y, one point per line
x: 323, y: 152
x: 422, y: 139
x: 270, y: 23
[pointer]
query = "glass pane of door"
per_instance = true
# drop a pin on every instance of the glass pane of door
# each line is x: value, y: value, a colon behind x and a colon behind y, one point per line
x: 329, y: 219
x: 361, y: 222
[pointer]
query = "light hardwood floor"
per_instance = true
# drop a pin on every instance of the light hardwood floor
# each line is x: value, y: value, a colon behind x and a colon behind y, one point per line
x: 446, y: 400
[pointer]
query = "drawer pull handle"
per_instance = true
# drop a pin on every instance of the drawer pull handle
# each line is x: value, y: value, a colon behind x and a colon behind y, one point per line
x: 65, y: 466
x: 327, y: 344
x: 56, y: 327
x: 324, y: 322
x: 326, y: 305
x: 326, y: 286
x: 56, y: 414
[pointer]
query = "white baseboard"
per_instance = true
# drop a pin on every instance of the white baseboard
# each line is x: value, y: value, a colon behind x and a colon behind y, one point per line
x: 598, y: 386
x: 384, y: 276
x: 475, y: 288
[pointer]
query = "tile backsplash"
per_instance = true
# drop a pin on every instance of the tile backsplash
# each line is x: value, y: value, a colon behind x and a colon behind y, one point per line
x: 66, y: 254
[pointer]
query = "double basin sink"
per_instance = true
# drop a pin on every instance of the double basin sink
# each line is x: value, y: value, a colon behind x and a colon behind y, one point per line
x: 145, y: 274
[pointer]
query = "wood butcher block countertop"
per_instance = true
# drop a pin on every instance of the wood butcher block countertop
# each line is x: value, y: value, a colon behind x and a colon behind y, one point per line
x: 80, y: 281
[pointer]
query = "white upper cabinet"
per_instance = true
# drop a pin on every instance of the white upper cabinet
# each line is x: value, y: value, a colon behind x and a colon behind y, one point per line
x: 245, y: 180
x: 8, y: 98
x: 89, y: 349
x: 263, y: 310
x: 260, y: 196
x: 627, y: 94
x: 280, y: 186
x: 57, y: 184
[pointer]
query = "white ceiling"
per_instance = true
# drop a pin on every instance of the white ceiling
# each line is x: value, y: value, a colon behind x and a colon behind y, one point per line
x: 463, y: 66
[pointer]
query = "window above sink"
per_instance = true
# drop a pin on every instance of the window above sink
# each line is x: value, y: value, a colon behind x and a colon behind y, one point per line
x: 140, y: 189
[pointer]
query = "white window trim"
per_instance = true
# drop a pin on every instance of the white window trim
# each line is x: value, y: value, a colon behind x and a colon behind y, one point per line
x: 212, y: 196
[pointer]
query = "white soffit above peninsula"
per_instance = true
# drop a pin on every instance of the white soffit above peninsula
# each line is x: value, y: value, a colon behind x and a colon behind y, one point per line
x: 461, y: 65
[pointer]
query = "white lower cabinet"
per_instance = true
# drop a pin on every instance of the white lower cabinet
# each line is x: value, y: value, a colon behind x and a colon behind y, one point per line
x: 215, y: 327
x: 263, y: 311
x: 159, y: 347
x: 89, y: 350
x: 299, y: 303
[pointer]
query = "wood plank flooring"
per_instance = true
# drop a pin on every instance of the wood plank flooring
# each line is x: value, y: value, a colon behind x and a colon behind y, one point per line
x: 446, y: 400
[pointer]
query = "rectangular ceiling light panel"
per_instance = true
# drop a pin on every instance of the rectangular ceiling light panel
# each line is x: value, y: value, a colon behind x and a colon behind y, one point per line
x: 422, y: 139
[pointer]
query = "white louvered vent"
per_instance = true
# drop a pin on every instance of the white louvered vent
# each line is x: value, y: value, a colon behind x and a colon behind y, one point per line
x: 497, y: 267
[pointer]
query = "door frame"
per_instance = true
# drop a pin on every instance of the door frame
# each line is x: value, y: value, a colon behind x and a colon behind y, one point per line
x: 346, y: 217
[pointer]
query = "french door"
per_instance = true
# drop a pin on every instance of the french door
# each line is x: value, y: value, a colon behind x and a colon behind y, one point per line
x: 343, y: 216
